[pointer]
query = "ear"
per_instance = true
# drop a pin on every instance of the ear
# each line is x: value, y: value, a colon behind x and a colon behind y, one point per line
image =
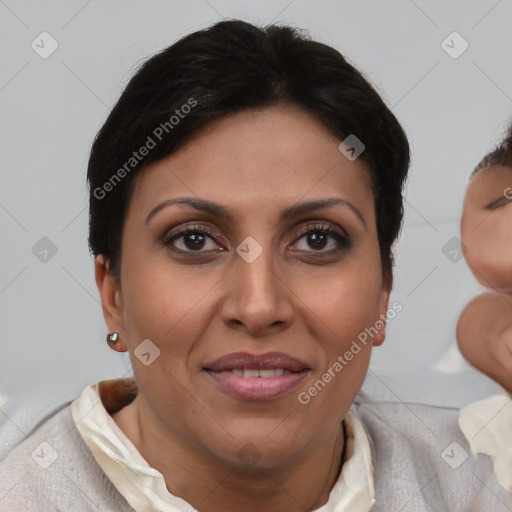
x: 382, y: 310
x: 110, y: 301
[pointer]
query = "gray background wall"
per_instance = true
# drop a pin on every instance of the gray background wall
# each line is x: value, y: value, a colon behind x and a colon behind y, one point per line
x: 52, y: 330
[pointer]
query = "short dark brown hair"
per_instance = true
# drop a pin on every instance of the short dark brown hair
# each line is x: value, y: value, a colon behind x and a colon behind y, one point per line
x: 500, y: 155
x: 226, y: 68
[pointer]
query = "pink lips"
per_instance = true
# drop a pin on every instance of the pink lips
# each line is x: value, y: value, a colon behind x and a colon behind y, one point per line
x: 237, y: 373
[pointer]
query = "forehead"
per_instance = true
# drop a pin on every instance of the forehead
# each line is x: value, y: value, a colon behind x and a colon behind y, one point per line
x: 489, y: 180
x: 279, y: 154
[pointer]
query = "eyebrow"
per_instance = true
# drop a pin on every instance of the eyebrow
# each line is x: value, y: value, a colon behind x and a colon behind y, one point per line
x: 218, y: 210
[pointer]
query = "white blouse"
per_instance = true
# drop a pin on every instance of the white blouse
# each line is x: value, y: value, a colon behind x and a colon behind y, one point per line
x: 486, y: 424
x: 144, y: 487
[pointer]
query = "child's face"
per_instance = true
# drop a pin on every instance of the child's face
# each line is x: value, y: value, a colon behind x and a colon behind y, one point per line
x: 486, y: 227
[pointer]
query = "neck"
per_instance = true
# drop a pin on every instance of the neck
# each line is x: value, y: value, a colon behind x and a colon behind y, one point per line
x: 217, y: 486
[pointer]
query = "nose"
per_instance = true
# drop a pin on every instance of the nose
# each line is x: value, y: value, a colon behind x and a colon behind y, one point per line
x: 257, y: 299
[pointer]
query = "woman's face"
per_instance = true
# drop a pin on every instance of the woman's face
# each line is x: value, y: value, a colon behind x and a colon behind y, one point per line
x: 486, y: 227
x: 246, y: 280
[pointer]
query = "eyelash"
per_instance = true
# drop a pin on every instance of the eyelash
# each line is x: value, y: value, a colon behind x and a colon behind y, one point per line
x: 325, y: 229
x: 502, y: 201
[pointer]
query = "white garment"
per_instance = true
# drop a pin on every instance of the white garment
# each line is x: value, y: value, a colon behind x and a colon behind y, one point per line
x: 487, y: 425
x: 144, y: 487
x: 422, y: 462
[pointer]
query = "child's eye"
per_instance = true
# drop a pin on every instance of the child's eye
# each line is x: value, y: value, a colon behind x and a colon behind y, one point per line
x: 499, y: 202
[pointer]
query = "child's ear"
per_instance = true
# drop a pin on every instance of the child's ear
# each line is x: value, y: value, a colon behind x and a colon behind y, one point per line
x: 382, y: 310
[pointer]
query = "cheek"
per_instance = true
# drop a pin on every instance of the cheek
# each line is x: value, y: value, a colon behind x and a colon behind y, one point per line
x: 346, y: 308
x: 489, y: 249
x: 163, y: 304
x: 343, y: 306
x: 347, y: 296
x: 167, y: 307
x: 344, y: 334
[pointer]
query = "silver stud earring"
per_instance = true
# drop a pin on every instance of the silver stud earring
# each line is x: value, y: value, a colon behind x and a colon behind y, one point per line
x: 112, y: 338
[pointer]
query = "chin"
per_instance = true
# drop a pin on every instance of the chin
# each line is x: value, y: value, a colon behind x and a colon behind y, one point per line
x: 259, y: 449
x: 263, y: 455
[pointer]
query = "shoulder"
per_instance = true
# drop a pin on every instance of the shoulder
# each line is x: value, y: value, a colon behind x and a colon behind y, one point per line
x: 53, y: 469
x: 422, y: 460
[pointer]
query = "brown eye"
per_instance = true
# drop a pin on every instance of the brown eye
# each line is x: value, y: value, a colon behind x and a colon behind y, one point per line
x: 322, y: 238
x: 192, y: 239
